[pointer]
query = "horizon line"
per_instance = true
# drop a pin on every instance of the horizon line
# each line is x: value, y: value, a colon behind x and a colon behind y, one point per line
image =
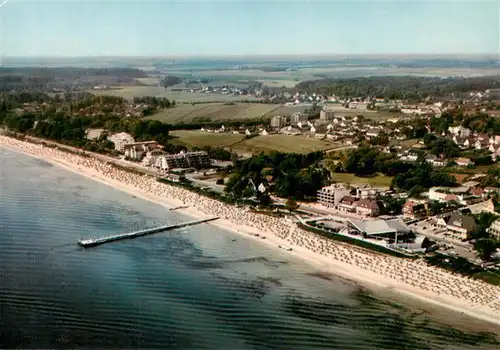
x: 315, y: 55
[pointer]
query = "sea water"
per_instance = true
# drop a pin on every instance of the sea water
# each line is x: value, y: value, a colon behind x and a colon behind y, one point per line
x: 198, y: 287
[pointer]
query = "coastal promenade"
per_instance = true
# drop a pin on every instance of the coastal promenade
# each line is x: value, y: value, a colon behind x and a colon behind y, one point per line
x: 413, y: 278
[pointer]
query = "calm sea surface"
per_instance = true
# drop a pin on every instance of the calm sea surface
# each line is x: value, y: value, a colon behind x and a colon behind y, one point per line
x: 194, y: 288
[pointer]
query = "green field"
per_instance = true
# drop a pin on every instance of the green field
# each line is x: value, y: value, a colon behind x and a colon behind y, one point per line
x: 201, y: 139
x: 240, y: 145
x: 379, y: 180
x: 214, y: 111
x: 283, y: 143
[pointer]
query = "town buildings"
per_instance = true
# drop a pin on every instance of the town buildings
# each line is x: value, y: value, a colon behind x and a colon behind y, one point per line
x: 278, y: 121
x: 494, y: 229
x: 414, y: 210
x: 367, y: 207
x: 151, y: 157
x: 327, y: 114
x: 331, y: 196
x: 464, y: 161
x: 388, y: 229
x: 136, y: 150
x: 297, y: 118
x: 459, y: 131
x: 120, y: 140
x: 347, y: 204
x: 197, y: 160
x: 462, y: 225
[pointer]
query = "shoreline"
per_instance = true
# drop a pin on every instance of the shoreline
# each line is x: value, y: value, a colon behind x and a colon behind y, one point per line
x: 374, y: 271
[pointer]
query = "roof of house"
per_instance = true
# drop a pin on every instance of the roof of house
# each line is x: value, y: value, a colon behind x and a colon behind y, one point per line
x: 368, y: 203
x: 462, y: 221
x: 477, y: 191
x: 348, y: 200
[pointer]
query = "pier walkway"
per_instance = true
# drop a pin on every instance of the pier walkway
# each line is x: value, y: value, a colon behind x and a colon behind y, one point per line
x: 88, y: 243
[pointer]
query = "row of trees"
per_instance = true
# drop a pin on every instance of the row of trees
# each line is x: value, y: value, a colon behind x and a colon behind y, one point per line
x: 71, y: 130
x: 156, y: 102
x: 398, y: 87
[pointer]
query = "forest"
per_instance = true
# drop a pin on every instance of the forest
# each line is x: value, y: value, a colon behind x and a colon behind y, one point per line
x: 65, y: 78
x: 288, y: 175
x: 398, y: 87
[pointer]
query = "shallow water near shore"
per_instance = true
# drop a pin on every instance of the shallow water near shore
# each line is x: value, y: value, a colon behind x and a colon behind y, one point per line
x: 192, y: 288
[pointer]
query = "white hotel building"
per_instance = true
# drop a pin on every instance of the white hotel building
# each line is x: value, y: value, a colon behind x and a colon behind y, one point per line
x: 120, y: 140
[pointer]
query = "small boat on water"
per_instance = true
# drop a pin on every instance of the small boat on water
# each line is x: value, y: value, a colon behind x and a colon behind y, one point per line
x: 234, y: 239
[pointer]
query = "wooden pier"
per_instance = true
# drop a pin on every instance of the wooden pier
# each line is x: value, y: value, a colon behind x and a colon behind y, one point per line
x: 92, y: 242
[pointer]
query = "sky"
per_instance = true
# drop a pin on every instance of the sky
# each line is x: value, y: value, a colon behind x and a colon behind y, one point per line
x: 205, y: 28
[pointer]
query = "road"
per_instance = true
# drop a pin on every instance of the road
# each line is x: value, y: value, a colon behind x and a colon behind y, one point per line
x: 462, y: 248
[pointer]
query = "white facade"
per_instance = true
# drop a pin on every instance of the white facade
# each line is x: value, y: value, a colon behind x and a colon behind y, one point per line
x: 330, y: 196
x: 151, y: 157
x: 278, y: 121
x: 437, y: 194
x: 459, y: 131
x: 120, y: 140
x: 298, y: 117
x: 494, y: 229
x: 327, y: 114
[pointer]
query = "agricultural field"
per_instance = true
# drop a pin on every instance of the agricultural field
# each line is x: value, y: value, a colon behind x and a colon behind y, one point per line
x: 128, y: 92
x: 379, y: 180
x: 201, y: 139
x: 243, y: 146
x: 151, y: 81
x: 283, y: 143
x: 215, y: 111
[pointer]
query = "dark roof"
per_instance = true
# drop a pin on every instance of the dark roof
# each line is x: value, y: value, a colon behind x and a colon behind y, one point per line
x: 348, y: 200
x: 367, y: 203
x: 463, y: 221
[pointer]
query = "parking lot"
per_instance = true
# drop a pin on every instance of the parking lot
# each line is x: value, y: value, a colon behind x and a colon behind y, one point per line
x: 454, y: 246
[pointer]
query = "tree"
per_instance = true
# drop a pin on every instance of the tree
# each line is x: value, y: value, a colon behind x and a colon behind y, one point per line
x: 291, y: 204
x: 485, y: 247
x: 265, y: 199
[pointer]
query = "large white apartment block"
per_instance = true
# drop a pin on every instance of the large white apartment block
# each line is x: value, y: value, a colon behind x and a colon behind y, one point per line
x: 136, y: 150
x: 184, y: 160
x: 151, y: 157
x: 494, y: 229
x: 437, y: 194
x: 278, y: 121
x: 298, y: 117
x: 327, y: 114
x: 331, y: 196
x: 120, y: 140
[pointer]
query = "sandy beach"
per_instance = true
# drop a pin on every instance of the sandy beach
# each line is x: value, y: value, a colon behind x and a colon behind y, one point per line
x: 411, y: 278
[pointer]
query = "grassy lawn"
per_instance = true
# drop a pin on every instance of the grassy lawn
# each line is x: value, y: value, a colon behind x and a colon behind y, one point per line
x: 238, y: 143
x: 200, y: 139
x: 379, y: 180
x: 214, y: 111
x: 480, y: 169
x: 283, y: 143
